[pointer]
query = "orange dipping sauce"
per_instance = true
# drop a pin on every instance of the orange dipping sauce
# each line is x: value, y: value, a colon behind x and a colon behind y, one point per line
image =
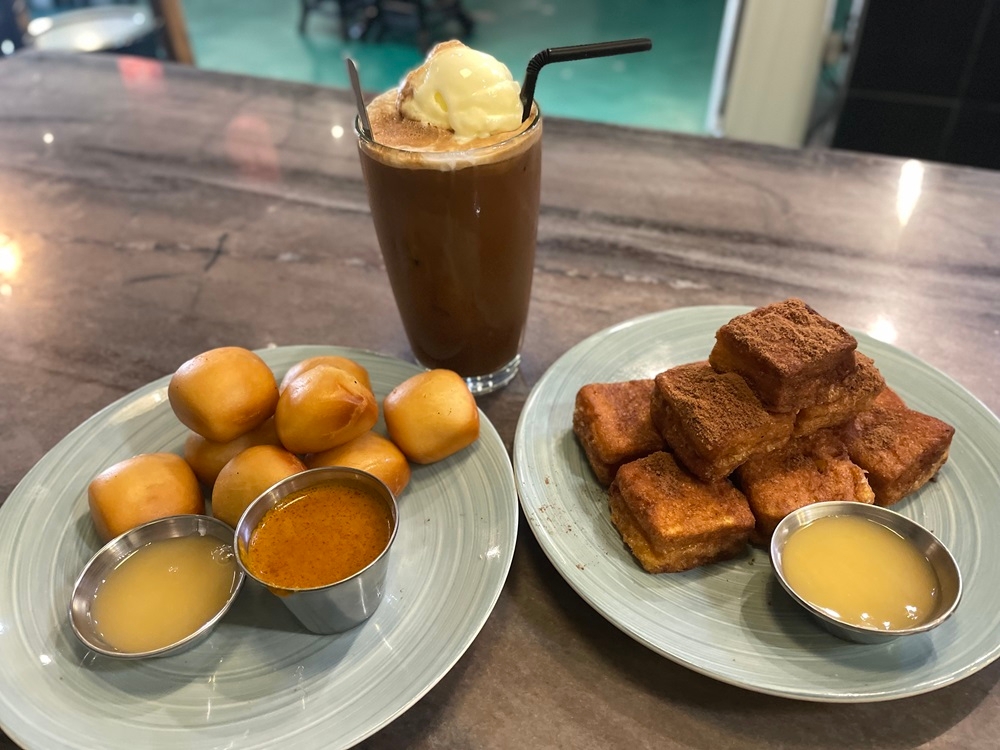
x: 318, y: 536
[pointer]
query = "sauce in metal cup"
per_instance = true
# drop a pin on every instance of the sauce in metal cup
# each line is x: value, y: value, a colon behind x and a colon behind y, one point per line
x: 157, y: 589
x: 838, y: 569
x: 320, y: 541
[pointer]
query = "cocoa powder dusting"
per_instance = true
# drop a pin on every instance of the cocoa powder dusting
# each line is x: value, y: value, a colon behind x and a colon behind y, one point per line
x: 788, y: 335
x: 715, y: 405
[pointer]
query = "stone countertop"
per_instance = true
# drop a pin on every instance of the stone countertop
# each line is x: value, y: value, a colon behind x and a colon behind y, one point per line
x: 149, y: 212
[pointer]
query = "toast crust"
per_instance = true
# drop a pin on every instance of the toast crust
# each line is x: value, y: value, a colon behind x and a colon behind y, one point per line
x: 613, y: 424
x: 901, y: 449
x: 712, y: 421
x: 843, y: 400
x: 787, y: 352
x: 807, y: 470
x: 671, y: 521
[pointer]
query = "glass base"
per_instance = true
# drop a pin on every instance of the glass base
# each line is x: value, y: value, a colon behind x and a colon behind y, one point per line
x: 483, y: 384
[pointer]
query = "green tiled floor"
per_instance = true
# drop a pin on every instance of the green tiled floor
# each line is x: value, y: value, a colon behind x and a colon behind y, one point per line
x: 665, y: 88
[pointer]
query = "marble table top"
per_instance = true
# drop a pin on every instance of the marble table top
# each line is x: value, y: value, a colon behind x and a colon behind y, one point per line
x: 149, y: 212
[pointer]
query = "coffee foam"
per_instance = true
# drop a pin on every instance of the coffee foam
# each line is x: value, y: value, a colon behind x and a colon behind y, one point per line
x: 407, y: 143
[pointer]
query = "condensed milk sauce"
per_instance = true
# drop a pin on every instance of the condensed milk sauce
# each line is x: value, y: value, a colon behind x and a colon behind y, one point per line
x: 164, y: 592
x: 861, y: 572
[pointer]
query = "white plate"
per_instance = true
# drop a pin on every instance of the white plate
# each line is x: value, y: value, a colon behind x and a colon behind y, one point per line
x: 260, y: 680
x: 731, y: 620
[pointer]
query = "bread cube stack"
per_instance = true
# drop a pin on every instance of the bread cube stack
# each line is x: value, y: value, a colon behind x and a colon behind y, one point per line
x: 711, y: 455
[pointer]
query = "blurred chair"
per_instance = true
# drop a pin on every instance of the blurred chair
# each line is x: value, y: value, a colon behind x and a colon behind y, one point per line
x: 422, y: 19
x: 355, y: 16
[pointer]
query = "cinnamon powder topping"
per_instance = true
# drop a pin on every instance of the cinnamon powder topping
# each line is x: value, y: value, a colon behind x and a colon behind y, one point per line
x: 789, y: 336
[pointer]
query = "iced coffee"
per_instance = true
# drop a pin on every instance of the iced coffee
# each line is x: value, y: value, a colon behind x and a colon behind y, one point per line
x: 453, y: 182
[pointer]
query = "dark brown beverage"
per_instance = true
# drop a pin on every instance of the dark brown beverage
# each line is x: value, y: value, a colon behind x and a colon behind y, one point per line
x: 457, y: 232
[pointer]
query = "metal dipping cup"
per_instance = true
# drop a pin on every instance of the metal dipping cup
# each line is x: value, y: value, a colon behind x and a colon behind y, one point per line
x: 944, y: 565
x: 112, y: 553
x: 340, y: 605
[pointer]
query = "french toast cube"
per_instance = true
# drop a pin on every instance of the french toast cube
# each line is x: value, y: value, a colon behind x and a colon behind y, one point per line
x: 712, y: 421
x: 888, y: 399
x: 900, y: 448
x: 787, y: 352
x: 806, y: 470
x: 613, y: 425
x: 672, y: 521
x: 843, y: 400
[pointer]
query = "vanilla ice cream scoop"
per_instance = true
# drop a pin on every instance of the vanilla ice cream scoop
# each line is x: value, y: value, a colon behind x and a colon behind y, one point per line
x: 460, y: 89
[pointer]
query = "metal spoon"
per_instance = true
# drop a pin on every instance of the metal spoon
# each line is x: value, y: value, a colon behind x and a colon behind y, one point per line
x: 366, y: 126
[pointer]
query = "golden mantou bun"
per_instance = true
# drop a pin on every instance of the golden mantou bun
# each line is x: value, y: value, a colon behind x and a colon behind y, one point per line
x: 246, y: 476
x: 431, y: 415
x: 372, y: 453
x: 343, y: 363
x: 141, y: 489
x: 223, y: 393
x: 322, y: 408
x: 207, y: 457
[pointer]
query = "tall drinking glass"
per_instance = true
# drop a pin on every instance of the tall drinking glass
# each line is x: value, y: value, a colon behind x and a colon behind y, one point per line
x: 457, y: 231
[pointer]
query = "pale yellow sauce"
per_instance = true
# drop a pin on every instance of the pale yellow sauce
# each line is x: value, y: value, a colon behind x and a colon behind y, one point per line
x: 860, y: 572
x: 163, y: 592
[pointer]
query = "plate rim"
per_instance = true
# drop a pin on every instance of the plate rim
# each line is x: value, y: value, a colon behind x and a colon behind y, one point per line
x: 569, y: 572
x: 505, y: 492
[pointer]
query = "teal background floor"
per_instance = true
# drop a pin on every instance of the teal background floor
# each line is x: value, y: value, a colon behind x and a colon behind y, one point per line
x: 665, y: 88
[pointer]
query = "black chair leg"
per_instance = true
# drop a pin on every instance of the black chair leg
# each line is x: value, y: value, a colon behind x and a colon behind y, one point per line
x: 306, y: 9
x: 423, y: 31
x: 465, y: 20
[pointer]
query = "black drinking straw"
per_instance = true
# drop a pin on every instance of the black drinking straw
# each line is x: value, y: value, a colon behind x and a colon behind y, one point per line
x: 576, y: 52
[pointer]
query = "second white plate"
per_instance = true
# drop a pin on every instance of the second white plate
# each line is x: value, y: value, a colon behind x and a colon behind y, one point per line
x: 731, y: 620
